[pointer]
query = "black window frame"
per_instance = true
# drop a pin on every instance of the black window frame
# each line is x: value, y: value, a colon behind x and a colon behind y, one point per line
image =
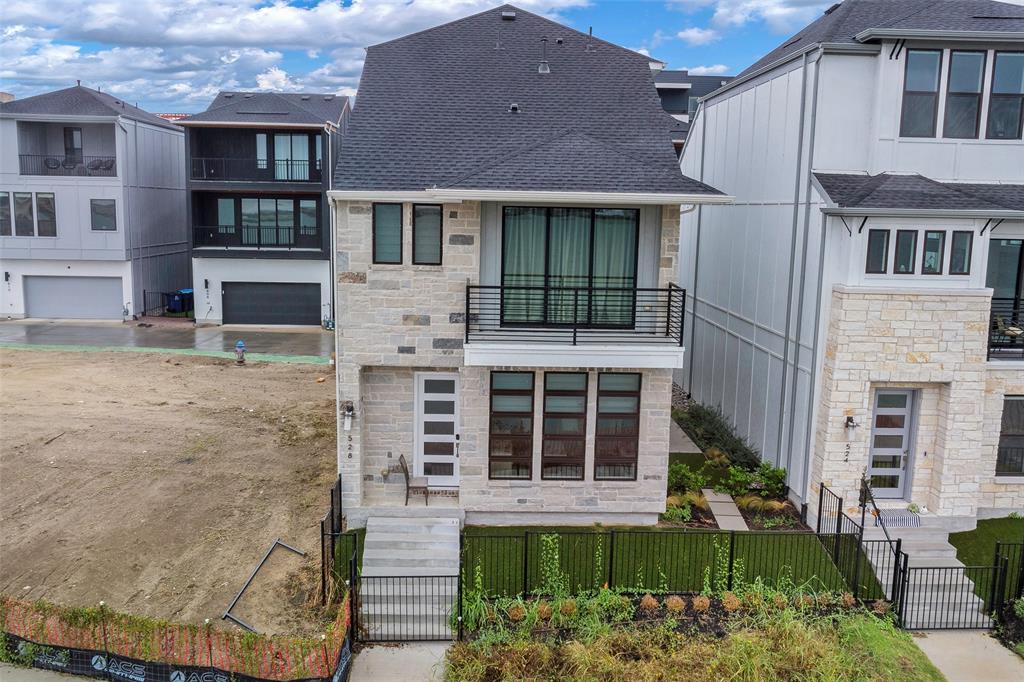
x: 942, y: 252
x: 526, y: 438
x: 633, y: 437
x: 71, y: 152
x: 32, y: 214
x: 440, y: 235
x: 373, y: 232
x: 560, y: 460
x: 92, y: 215
x: 970, y: 251
x: 1003, y: 450
x: 993, y: 96
x: 936, y: 94
x: 6, y: 215
x: 951, y: 94
x: 913, y: 253
x: 885, y: 253
x: 39, y: 215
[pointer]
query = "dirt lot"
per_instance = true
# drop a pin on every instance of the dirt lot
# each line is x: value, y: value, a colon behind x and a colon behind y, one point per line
x: 156, y: 483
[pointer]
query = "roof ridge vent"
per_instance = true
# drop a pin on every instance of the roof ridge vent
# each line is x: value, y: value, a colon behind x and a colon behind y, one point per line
x: 305, y: 98
x: 248, y: 95
x: 328, y: 98
x: 833, y: 8
x: 508, y: 15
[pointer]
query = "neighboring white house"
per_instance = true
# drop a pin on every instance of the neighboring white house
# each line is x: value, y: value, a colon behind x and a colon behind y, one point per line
x: 842, y: 310
x: 507, y: 211
x: 92, y: 206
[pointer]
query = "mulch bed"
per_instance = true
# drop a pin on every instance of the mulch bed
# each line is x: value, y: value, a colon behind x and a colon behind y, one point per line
x: 1011, y: 626
x: 790, y: 512
x: 701, y: 519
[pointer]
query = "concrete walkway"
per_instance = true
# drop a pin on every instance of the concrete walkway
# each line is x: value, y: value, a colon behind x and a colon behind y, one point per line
x: 170, y: 335
x: 724, y: 510
x: 970, y: 656
x: 415, y: 662
x: 679, y: 442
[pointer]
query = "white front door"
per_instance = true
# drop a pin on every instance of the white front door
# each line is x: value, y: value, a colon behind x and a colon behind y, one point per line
x: 437, y: 428
x: 889, y: 450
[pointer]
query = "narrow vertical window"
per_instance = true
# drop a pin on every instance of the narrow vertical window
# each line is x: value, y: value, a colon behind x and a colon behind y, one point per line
x: 934, y: 250
x: 307, y: 217
x: 318, y: 150
x: 618, y: 427
x: 387, y: 233
x: 226, y: 215
x: 906, y: 252
x: 73, y: 144
x: 104, y: 215
x: 268, y: 222
x: 250, y: 222
x: 1010, y: 456
x: 963, y: 94
x: 878, y: 252
x: 286, y: 222
x: 920, y: 93
x: 5, y: 214
x: 24, y: 215
x: 565, y: 425
x: 960, y: 253
x: 691, y: 105
x: 1006, y: 102
x: 426, y: 234
x: 46, y: 215
x: 510, y: 446
x: 261, y: 151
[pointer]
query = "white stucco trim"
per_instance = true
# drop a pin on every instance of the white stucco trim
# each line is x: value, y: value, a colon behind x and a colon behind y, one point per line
x: 918, y: 291
x: 624, y: 356
x: 455, y: 196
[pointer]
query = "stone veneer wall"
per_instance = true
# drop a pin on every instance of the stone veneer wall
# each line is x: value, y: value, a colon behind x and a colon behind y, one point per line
x: 930, y: 340
x: 1000, y: 492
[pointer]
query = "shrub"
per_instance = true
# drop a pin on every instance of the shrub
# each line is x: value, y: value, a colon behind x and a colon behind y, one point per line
x: 567, y: 607
x: 780, y: 600
x: 881, y: 607
x: 516, y: 613
x: 1018, y: 608
x: 772, y: 480
x: 848, y: 600
x: 750, y: 502
x: 716, y: 457
x: 736, y: 482
x: 730, y: 602
x: 675, y: 604
x: 701, y: 603
x: 774, y: 506
x: 694, y: 499
x: 648, y: 603
x: 678, y: 514
x: 544, y: 610
x: 709, y: 427
x: 682, y: 478
x: 774, y: 521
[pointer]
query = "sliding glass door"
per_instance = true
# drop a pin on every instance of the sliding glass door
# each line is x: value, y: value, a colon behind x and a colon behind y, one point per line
x: 569, y: 266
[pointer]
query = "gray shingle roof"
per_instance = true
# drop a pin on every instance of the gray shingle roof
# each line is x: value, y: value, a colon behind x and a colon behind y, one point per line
x: 842, y: 22
x: 886, y: 190
x: 79, y: 100
x: 295, y: 108
x: 433, y: 111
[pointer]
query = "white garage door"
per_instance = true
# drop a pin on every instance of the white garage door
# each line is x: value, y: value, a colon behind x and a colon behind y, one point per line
x: 94, y: 298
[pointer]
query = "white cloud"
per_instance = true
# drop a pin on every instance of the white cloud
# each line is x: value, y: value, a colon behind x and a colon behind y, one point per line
x: 178, y: 53
x: 781, y: 16
x: 698, y: 36
x: 712, y: 70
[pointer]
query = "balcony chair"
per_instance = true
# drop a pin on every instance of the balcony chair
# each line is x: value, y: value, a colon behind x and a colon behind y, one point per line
x: 414, y: 484
x: 51, y: 163
x: 95, y: 165
x: 69, y: 163
x: 107, y: 164
x: 1011, y: 332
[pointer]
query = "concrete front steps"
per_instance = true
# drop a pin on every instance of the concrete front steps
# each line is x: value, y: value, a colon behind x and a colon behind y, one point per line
x: 409, y: 579
x: 934, y: 599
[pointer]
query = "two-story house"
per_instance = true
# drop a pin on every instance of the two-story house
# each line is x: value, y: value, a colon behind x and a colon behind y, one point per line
x: 92, y: 206
x: 506, y: 250
x: 680, y: 93
x: 858, y: 310
x: 258, y: 170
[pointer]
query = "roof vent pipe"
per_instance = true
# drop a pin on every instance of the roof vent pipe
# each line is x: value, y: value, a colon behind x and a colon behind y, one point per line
x: 543, y: 66
x: 590, y: 34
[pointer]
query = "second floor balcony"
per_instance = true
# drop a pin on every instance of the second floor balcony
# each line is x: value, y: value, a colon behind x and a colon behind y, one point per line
x: 255, y: 170
x: 67, y: 165
x: 257, y: 237
x: 1006, y: 329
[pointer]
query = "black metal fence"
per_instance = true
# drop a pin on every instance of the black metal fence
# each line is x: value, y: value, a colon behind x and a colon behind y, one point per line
x: 60, y: 164
x: 575, y: 315
x: 1006, y: 333
x: 1014, y: 555
x: 257, y: 236
x: 278, y: 170
x: 951, y: 598
x: 407, y: 608
x: 330, y: 536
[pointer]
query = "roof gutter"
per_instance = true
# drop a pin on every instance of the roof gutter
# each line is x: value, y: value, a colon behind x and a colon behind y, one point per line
x: 63, y: 118
x: 249, y: 124
x: 921, y: 212
x: 988, y: 36
x: 601, y: 198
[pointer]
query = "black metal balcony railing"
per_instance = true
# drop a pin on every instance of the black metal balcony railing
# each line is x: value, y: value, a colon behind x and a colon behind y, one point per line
x: 262, y: 170
x: 60, y: 164
x: 1006, y: 329
x: 575, y: 315
x: 256, y: 237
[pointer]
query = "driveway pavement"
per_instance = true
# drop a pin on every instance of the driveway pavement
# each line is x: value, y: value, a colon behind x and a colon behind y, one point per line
x: 176, y: 335
x: 970, y: 656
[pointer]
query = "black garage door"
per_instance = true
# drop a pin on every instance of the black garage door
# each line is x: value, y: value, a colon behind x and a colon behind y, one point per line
x: 270, y: 303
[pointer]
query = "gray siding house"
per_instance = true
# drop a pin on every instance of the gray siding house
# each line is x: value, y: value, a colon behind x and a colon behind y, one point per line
x: 92, y: 206
x: 680, y: 93
x: 506, y: 248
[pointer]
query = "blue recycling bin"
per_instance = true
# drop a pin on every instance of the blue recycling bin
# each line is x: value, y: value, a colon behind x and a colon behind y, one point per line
x: 180, y: 301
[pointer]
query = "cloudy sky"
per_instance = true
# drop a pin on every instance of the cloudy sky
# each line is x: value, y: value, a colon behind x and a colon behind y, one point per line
x: 174, y: 55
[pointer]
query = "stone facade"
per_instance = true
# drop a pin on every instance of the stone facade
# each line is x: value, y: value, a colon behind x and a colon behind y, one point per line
x: 931, y: 341
x: 397, y: 320
x: 999, y: 492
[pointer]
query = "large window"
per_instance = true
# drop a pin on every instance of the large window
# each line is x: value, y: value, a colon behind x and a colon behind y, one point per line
x: 73, y: 145
x: 1006, y: 103
x: 24, y: 215
x: 618, y: 426
x: 906, y: 252
x: 291, y: 157
x: 960, y: 253
x: 1010, y: 457
x: 920, y: 93
x: 308, y: 221
x: 963, y: 94
x: 565, y: 425
x: 426, y: 234
x: 878, y: 252
x: 5, y: 214
x: 569, y: 265
x: 46, y: 215
x: 387, y: 233
x: 934, y: 250
x: 510, y: 449
x: 104, y: 215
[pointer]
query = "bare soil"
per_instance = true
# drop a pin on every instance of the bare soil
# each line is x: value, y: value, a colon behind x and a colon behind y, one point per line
x: 156, y: 483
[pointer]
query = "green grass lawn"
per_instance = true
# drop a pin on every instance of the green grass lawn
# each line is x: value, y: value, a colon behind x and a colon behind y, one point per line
x: 648, y: 559
x: 977, y: 548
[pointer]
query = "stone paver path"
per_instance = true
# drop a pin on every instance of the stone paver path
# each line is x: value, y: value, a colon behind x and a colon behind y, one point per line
x: 724, y: 510
x: 679, y: 441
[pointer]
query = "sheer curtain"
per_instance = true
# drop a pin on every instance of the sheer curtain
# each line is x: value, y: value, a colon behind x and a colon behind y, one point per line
x: 615, y: 237
x: 568, y: 265
x: 523, y: 251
